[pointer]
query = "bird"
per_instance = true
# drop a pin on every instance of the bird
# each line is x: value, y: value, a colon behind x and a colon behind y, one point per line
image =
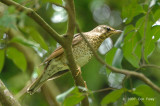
x: 56, y: 63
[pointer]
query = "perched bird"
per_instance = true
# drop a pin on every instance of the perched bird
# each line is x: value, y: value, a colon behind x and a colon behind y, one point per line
x: 57, y: 62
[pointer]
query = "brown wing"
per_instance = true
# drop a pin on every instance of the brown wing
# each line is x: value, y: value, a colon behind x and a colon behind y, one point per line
x: 55, y: 53
x: 60, y: 50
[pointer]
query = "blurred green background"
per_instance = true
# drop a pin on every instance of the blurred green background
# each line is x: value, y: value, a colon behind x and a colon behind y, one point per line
x: 24, y: 45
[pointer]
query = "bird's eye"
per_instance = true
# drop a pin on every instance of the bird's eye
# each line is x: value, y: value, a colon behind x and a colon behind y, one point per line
x: 108, y: 29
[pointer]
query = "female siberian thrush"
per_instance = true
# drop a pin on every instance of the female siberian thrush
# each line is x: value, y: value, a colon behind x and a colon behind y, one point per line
x: 57, y: 62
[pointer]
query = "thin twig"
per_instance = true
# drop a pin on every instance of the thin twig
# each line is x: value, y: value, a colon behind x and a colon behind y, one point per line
x: 144, y: 36
x: 134, y: 49
x: 151, y: 65
x: 129, y: 32
x: 148, y: 65
x: 59, y: 6
x: 22, y: 92
x: 102, y: 90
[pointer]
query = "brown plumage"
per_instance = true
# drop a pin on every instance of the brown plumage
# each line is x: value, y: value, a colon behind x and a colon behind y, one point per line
x: 57, y: 63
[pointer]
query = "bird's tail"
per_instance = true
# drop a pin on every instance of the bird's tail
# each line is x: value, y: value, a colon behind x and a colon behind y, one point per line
x: 35, y: 85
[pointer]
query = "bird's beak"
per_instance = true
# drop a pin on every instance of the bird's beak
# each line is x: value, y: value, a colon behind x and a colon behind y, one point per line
x: 117, y: 31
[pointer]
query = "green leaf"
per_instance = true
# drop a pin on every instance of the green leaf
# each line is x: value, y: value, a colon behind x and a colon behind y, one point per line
x: 133, y: 102
x: 53, y: 1
x: 131, y: 9
x: 73, y: 99
x: 8, y: 20
x: 147, y: 95
x: 118, y: 58
x: 36, y: 36
x: 145, y: 29
x: 23, y: 41
x: 115, y: 79
x: 151, y: 39
x: 17, y: 57
x: 70, y: 97
x: 132, y: 46
x: 109, y: 58
x: 156, y: 15
x: 61, y: 97
x: 29, y: 43
x: 112, y: 97
x: 2, y: 54
x: 129, y: 29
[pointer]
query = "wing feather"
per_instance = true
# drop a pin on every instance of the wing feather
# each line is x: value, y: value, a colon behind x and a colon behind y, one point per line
x: 60, y: 50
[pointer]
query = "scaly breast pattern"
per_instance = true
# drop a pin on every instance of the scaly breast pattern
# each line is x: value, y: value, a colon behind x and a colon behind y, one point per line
x: 82, y: 53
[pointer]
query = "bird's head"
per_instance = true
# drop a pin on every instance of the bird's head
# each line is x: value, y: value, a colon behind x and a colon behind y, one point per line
x: 105, y: 31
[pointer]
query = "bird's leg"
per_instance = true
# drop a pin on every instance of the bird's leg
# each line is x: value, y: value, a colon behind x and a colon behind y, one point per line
x: 79, y: 71
x: 85, y: 84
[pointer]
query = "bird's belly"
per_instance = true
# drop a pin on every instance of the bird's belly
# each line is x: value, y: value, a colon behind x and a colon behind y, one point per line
x: 82, y: 53
x: 81, y: 61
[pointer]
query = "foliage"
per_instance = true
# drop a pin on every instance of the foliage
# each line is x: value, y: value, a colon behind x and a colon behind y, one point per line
x: 112, y: 97
x: 70, y: 97
x: 2, y: 59
x: 17, y: 57
x: 24, y: 45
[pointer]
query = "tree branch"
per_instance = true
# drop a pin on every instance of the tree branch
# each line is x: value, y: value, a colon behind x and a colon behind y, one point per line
x: 71, y: 15
x: 122, y: 71
x: 68, y: 50
x: 31, y: 13
x: 6, y: 98
x: 102, y: 90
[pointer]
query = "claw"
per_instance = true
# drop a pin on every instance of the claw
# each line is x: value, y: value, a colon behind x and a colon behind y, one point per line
x: 79, y: 71
x: 85, y: 84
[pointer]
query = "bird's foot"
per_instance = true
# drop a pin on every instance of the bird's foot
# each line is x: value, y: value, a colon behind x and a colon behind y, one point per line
x: 85, y: 84
x: 79, y: 71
